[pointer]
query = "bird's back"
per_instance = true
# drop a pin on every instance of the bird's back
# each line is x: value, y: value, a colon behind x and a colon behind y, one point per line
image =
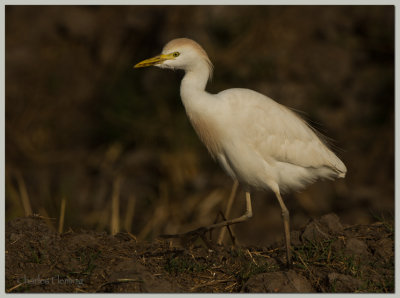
x: 281, y: 144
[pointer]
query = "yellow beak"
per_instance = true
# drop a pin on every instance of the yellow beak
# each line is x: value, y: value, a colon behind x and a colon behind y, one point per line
x: 154, y: 61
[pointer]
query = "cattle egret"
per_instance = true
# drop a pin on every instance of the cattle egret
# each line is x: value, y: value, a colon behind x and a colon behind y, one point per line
x: 257, y: 141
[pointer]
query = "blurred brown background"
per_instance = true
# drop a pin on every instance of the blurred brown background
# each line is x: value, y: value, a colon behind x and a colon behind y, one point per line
x: 84, y: 127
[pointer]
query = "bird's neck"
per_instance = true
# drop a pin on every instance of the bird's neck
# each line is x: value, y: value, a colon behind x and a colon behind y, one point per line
x: 194, y: 83
x: 201, y: 107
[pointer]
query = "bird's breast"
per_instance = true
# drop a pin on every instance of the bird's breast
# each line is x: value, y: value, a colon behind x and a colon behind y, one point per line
x: 208, y: 132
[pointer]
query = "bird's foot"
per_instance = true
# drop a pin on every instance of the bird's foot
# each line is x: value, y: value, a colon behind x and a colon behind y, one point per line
x: 192, y: 236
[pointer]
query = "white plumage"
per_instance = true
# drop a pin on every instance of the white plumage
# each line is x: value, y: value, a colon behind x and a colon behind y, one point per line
x: 257, y: 141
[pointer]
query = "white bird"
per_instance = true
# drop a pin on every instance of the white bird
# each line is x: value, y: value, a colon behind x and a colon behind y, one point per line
x: 256, y: 140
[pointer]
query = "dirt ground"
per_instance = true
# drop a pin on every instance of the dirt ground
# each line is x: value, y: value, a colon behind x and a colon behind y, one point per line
x: 328, y: 257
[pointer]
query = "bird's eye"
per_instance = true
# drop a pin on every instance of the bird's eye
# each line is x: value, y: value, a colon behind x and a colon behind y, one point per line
x: 176, y: 54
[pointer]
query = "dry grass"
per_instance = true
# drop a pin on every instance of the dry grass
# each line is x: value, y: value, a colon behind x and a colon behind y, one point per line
x: 62, y: 216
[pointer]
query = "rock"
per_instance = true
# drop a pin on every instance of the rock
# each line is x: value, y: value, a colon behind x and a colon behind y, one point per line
x: 314, y: 232
x: 136, y: 278
x: 343, y: 283
x: 356, y: 247
x: 332, y: 222
x: 323, y: 228
x: 278, y: 282
x: 384, y: 249
x: 82, y: 240
x: 45, y: 240
x: 337, y: 245
x: 295, y: 238
x: 14, y: 237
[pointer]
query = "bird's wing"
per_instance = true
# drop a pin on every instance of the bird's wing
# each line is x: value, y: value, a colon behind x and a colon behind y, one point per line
x: 276, y: 132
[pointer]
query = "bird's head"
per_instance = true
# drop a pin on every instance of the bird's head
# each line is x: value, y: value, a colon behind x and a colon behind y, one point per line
x: 180, y: 53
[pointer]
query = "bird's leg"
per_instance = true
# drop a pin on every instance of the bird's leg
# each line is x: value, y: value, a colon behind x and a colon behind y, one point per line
x: 228, y: 210
x: 231, y: 234
x: 286, y: 227
x: 248, y: 214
